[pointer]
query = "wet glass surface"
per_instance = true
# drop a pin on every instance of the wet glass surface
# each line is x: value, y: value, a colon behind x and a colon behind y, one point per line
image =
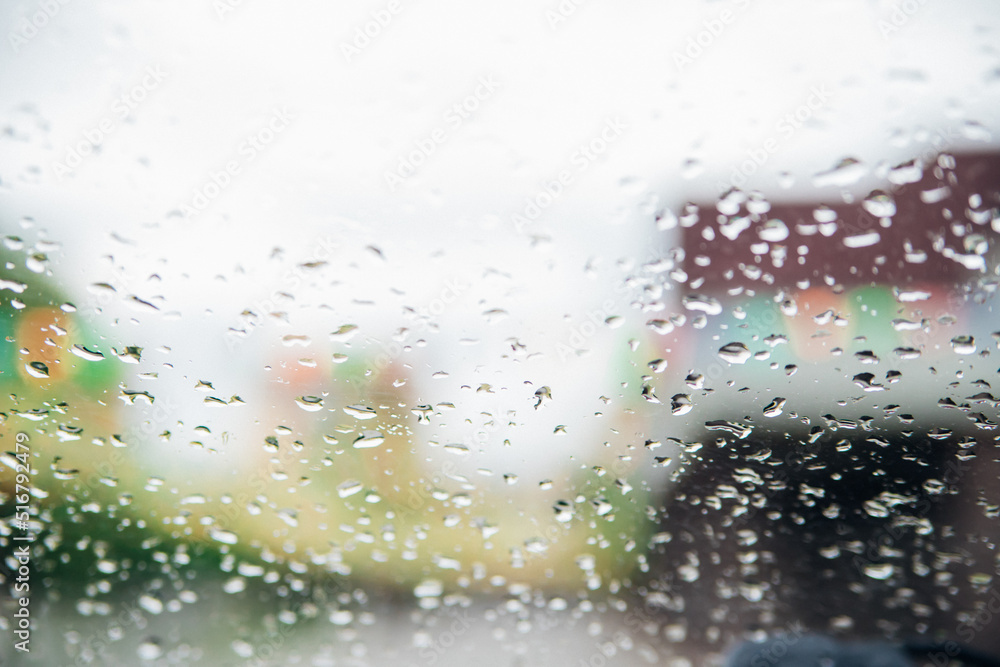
x: 531, y: 334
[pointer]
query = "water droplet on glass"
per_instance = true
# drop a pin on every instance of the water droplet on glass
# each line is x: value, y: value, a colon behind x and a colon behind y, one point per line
x: 344, y: 332
x: 84, y: 353
x: 867, y: 382
x: 310, y: 403
x: 773, y: 231
x: 349, y: 488
x: 734, y: 353
x: 224, y: 536
x: 360, y: 412
x: 699, y: 302
x: 963, y: 344
x: 846, y: 172
x: 542, y: 396
x: 879, y: 571
x: 37, y: 369
x: 150, y: 649
x: 369, y: 439
x: 151, y: 604
x: 564, y: 511
x: 879, y: 204
x: 680, y: 404
x: 775, y: 407
x: 235, y: 585
x: 428, y: 588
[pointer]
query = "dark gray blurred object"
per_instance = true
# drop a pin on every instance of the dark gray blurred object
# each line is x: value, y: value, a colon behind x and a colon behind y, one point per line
x: 816, y: 651
x: 797, y: 650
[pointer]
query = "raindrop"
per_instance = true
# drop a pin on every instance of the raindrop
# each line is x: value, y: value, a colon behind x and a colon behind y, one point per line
x: 909, y: 296
x: 362, y: 412
x: 775, y: 407
x: 235, y: 585
x: 428, y: 588
x: 705, y: 304
x: 846, y: 172
x: 866, y: 357
x: 662, y: 327
x: 543, y: 395
x: 310, y: 403
x: 341, y: 617
x: 422, y: 412
x: 130, y: 355
x: 976, y: 244
x: 495, y: 315
x: 224, y: 536
x: 151, y: 604
x: 773, y: 231
x: 37, y: 369
x: 695, y: 381
x: 84, y: 353
x: 134, y: 397
x: 880, y: 571
x: 150, y: 649
x: 963, y: 344
x: 862, y: 240
x: 734, y: 353
x: 349, y: 488
x: 680, y: 404
x: 369, y: 439
x: 866, y: 382
x: 344, y: 332
x: 564, y: 511
x: 879, y: 204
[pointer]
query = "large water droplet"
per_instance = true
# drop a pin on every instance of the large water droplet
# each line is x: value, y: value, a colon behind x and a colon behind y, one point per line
x: 360, y: 411
x: 369, y: 439
x: 963, y: 344
x: 309, y: 403
x: 37, y: 369
x: 349, y: 488
x: 150, y: 649
x: 775, y: 407
x: 734, y: 353
x: 880, y: 571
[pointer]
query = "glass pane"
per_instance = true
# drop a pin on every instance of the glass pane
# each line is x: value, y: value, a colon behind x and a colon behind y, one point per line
x: 537, y: 333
